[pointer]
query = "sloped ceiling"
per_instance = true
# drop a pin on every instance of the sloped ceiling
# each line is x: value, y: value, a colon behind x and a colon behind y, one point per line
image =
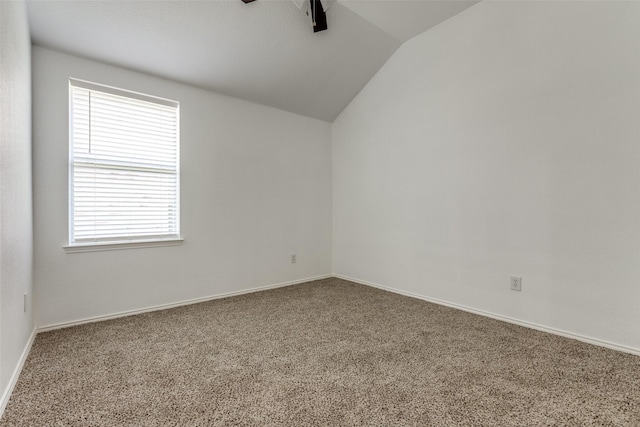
x: 264, y: 52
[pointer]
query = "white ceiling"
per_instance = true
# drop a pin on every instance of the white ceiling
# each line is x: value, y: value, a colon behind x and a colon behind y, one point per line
x: 265, y: 51
x: 405, y: 19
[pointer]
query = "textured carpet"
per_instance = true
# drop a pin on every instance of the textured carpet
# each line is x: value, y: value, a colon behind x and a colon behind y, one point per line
x: 328, y: 352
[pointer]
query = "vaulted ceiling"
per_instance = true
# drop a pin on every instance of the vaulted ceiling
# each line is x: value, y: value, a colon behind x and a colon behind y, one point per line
x: 265, y: 51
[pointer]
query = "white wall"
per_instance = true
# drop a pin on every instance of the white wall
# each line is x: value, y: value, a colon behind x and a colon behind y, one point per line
x: 505, y: 141
x: 16, y: 242
x: 255, y: 188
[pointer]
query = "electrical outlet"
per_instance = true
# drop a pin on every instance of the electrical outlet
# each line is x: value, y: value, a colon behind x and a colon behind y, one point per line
x: 516, y: 283
x: 293, y: 258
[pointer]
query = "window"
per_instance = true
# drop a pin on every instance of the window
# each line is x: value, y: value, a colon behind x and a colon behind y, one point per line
x: 124, y: 167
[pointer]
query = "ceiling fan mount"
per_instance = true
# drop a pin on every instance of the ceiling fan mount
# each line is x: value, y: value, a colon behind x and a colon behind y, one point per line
x: 314, y: 8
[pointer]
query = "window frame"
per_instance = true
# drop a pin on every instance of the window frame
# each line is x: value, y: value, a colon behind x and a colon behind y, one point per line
x: 123, y: 243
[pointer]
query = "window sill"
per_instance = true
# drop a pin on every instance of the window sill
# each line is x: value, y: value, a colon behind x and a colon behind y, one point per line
x: 113, y: 246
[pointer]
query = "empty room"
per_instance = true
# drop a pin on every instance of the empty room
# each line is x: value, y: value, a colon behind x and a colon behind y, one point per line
x: 319, y: 213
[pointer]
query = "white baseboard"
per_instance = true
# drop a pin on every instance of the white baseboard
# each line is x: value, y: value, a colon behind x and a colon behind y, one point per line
x: 6, y: 395
x: 507, y: 319
x: 174, y: 304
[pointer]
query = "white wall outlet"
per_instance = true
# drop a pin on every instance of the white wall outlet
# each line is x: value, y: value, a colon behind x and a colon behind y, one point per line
x: 293, y: 258
x: 516, y: 283
x: 25, y: 300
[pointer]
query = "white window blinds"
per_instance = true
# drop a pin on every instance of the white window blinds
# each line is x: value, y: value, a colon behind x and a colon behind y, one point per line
x: 124, y: 166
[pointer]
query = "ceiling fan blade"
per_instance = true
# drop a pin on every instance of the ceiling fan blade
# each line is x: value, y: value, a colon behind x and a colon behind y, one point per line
x: 318, y: 16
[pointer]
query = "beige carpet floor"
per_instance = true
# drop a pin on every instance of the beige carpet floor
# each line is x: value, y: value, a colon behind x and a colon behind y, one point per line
x: 328, y: 352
